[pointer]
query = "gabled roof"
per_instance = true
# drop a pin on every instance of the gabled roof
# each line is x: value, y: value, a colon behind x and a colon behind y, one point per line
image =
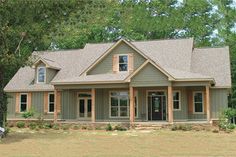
x: 49, y: 63
x: 175, y: 58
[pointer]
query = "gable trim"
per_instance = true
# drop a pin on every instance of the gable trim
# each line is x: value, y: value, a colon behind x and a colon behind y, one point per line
x: 46, y: 64
x: 108, y: 51
x: 170, y: 78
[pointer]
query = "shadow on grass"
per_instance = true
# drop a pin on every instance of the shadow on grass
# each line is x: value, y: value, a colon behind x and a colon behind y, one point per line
x: 14, y: 137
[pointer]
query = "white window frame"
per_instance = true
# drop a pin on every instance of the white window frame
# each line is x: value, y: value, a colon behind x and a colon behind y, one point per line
x: 38, y: 74
x: 123, y: 63
x: 128, y: 107
x: 26, y: 102
x: 49, y: 102
x: 178, y: 91
x: 118, y: 105
x: 198, y: 102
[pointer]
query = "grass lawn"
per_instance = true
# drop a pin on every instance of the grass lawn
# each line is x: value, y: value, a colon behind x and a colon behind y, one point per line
x: 59, y: 143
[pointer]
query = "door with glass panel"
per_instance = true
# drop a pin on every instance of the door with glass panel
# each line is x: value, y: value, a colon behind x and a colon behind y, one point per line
x: 156, y: 105
x: 84, y: 105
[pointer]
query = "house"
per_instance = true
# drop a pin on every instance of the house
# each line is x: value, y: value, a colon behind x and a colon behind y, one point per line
x: 140, y: 81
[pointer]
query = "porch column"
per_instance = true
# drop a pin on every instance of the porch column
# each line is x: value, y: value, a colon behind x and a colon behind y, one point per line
x: 131, y: 108
x: 93, y: 105
x: 208, y: 104
x: 55, y: 105
x: 170, y: 104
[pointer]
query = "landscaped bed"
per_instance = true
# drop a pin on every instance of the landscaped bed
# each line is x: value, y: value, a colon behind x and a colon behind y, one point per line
x: 50, y: 142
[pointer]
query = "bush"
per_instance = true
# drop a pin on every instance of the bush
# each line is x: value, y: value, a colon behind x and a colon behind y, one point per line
x: 20, y: 124
x: 120, y: 128
x: 181, y: 127
x: 47, y: 125
x: 84, y: 127
x: 32, y: 125
x: 65, y: 127
x: 109, y: 127
x: 75, y: 127
x: 225, y: 119
x: 28, y: 114
x: 56, y: 127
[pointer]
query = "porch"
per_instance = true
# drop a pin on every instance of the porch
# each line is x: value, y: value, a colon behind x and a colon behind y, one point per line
x: 127, y: 104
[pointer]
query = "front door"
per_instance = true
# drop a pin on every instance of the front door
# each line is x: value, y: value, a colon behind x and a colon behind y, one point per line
x: 84, y: 108
x: 156, y: 105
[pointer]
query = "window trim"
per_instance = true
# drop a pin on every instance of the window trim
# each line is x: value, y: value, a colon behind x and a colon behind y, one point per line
x: 26, y: 102
x: 49, y: 102
x: 194, y: 92
x: 123, y: 63
x: 44, y: 74
x: 179, y: 109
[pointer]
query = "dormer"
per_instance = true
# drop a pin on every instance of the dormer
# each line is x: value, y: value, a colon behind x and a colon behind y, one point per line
x: 45, y: 70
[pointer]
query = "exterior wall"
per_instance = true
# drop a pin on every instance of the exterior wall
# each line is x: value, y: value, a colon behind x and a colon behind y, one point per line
x: 50, y: 73
x: 37, y: 101
x: 149, y: 76
x: 218, y: 101
x: 69, y: 104
x: 105, y: 66
x: 182, y: 114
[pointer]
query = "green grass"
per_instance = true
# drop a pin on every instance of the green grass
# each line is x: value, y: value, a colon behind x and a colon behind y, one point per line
x: 73, y: 143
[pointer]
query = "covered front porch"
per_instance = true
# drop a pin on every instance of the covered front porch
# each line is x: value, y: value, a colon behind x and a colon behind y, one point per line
x: 125, y: 103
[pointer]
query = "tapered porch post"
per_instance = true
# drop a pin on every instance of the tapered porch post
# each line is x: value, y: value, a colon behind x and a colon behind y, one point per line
x: 208, y: 104
x: 93, y: 105
x: 131, y: 94
x: 170, y: 104
x: 55, y: 105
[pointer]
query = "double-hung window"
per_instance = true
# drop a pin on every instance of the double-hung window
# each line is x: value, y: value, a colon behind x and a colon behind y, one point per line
x: 23, y: 102
x: 123, y: 62
x: 198, y: 102
x: 50, y: 102
x: 176, y: 100
x: 41, y: 74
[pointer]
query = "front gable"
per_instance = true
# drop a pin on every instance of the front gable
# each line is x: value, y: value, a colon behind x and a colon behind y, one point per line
x: 149, y: 75
x: 106, y: 64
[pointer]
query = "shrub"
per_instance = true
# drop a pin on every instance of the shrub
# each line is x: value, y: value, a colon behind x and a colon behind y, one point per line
x: 10, y: 125
x: 181, y: 127
x: 215, y: 131
x: 20, y: 124
x: 28, y: 114
x: 47, y: 125
x: 56, y: 126
x: 76, y: 127
x: 120, y: 128
x: 225, y: 119
x: 32, y: 125
x: 65, y: 127
x: 84, y: 127
x: 109, y: 127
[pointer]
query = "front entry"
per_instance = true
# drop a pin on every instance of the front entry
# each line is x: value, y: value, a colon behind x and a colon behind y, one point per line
x: 156, y: 105
x: 84, y: 106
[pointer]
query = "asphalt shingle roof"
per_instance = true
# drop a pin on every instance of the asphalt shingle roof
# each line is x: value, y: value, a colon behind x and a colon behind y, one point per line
x: 176, y: 56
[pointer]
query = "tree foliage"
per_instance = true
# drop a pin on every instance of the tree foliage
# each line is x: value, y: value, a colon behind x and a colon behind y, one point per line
x: 26, y: 26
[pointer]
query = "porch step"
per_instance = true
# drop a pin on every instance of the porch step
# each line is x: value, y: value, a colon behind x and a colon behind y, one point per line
x: 148, y: 126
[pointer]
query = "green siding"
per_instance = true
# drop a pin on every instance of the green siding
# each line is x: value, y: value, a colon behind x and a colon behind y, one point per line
x: 149, y: 76
x: 183, y: 113
x: 11, y: 106
x: 105, y: 66
x: 50, y: 73
x: 38, y: 102
x: 69, y: 104
x: 219, y: 101
x: 99, y: 105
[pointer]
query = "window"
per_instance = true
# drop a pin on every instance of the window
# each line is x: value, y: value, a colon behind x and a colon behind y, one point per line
x: 50, y: 102
x: 119, y: 104
x: 176, y: 100
x: 41, y: 72
x: 23, y: 102
x: 198, y: 102
x: 123, y: 62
